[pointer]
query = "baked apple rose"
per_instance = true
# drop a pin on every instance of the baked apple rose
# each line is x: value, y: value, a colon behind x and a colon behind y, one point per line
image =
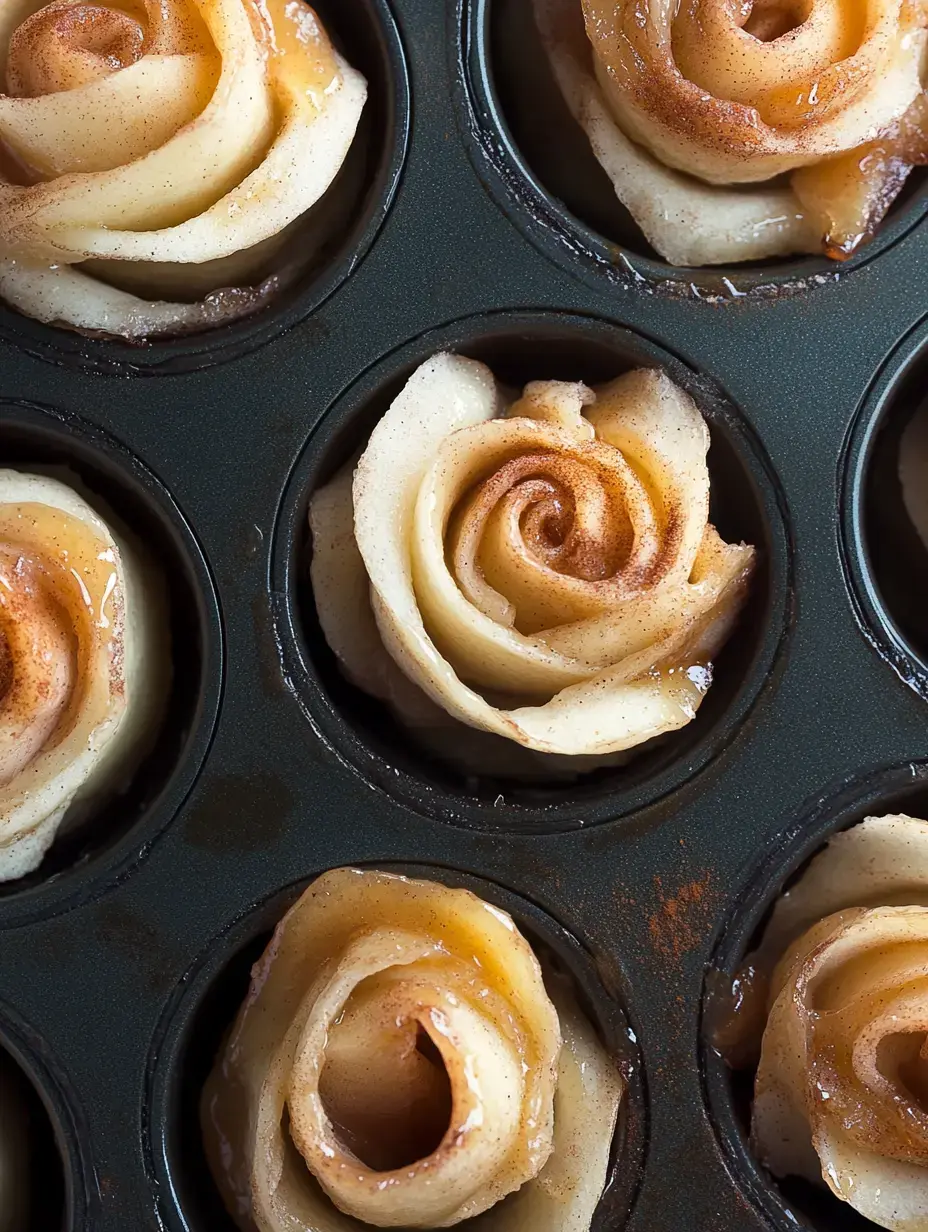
x: 541, y: 569
x: 736, y: 131
x: 161, y: 143
x: 81, y: 663
x: 400, y: 1061
x: 841, y: 1094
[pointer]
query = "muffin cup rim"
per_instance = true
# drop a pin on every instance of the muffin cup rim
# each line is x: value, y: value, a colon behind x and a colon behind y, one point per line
x: 338, y: 735
x: 568, y: 241
x: 872, y: 614
x: 223, y: 344
x: 29, y: 1052
x: 89, y: 879
x: 840, y: 807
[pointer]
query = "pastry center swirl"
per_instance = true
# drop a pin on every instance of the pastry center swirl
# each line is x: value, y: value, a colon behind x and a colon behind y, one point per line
x: 405, y: 1119
x: 768, y: 21
x: 66, y: 46
x: 37, y: 662
x: 560, y: 511
x: 786, y: 60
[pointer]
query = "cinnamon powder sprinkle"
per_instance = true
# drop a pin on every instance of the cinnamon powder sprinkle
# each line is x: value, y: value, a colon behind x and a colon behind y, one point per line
x: 679, y: 926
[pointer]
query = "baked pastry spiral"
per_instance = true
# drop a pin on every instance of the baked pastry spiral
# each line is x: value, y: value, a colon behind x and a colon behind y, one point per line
x: 734, y: 132
x: 400, y: 1062
x: 541, y: 569
x: 166, y: 144
x: 81, y: 663
x: 841, y: 1094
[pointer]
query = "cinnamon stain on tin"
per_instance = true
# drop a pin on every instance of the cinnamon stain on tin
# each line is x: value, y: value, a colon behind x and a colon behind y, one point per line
x: 680, y: 923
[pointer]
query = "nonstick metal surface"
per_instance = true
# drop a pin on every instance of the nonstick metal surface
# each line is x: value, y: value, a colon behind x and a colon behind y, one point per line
x: 124, y: 958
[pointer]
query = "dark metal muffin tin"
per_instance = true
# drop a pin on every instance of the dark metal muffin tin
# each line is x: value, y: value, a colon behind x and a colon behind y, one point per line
x: 124, y: 958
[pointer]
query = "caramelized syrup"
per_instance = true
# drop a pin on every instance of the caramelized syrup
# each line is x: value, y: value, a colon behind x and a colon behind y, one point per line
x: 79, y: 567
x: 302, y: 59
x: 736, y: 1014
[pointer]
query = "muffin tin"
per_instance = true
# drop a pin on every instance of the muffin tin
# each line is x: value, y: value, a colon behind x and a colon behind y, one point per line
x: 123, y: 959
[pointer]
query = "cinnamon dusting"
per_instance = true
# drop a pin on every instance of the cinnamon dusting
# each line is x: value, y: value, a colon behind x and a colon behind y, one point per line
x: 744, y: 93
x: 66, y: 46
x: 679, y: 925
x: 61, y: 609
x: 6, y: 666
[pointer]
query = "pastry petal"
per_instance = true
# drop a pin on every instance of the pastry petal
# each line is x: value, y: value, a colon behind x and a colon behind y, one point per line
x: 404, y: 1032
x: 841, y: 1093
x: 80, y: 662
x: 230, y: 123
x: 560, y: 560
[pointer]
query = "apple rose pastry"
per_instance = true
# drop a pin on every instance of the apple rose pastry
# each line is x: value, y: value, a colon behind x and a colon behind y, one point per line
x: 80, y: 663
x: 164, y: 145
x: 540, y: 569
x: 841, y: 1093
x: 736, y: 131
x: 399, y: 1061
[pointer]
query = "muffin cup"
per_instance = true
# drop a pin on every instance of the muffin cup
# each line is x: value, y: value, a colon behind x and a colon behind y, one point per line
x: 341, y: 229
x: 746, y: 507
